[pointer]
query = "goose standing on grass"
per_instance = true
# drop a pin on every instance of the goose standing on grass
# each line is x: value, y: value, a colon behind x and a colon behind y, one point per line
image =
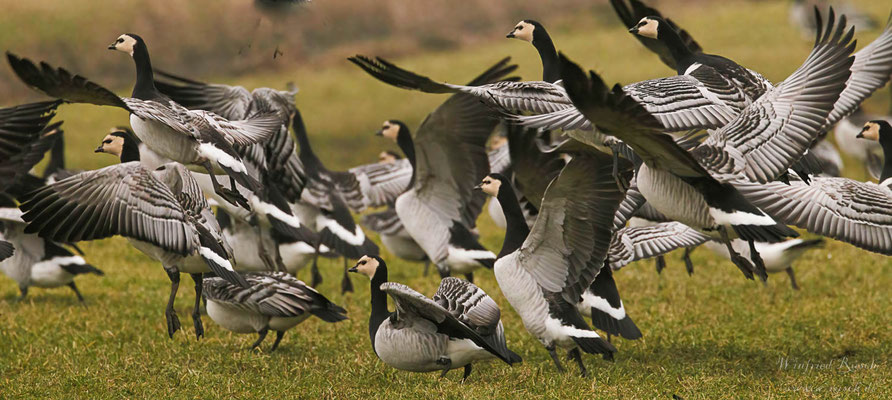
x: 697, y: 187
x: 544, y: 271
x: 533, y: 32
x: 858, y: 213
x: 459, y: 326
x: 192, y: 137
x: 162, y: 212
x: 37, y: 261
x: 448, y: 155
x: 778, y: 257
x: 272, y: 301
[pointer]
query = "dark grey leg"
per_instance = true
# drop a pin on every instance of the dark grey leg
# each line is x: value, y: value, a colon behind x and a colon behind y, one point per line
x: 760, y: 265
x: 446, y: 362
x: 792, y: 278
x: 196, y: 311
x: 466, y: 374
x: 76, y: 292
x: 279, y: 336
x: 576, y: 356
x: 173, y: 322
x: 554, y: 357
x: 741, y: 262
x: 346, y: 283
x: 262, y: 335
x: 427, y: 266
x: 444, y: 271
x: 24, y: 291
x: 688, y: 264
x: 661, y: 264
x: 470, y: 277
x: 314, y: 270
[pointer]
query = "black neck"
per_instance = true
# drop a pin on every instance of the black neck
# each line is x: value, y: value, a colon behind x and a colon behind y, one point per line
x: 680, y: 52
x: 404, y: 141
x: 130, y: 151
x: 886, y: 142
x: 516, y: 231
x: 305, y: 152
x: 145, y: 79
x: 379, y: 303
x: 550, y: 68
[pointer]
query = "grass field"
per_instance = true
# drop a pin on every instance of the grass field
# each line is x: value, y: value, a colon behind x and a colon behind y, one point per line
x: 710, y: 335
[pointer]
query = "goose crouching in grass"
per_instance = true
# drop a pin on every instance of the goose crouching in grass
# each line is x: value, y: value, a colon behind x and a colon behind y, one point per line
x: 544, y: 271
x: 461, y: 325
x: 161, y: 212
x: 272, y: 301
x: 37, y: 261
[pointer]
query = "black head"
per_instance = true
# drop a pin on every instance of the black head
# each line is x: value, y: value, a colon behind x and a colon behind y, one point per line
x: 528, y: 30
x: 393, y: 129
x: 127, y: 43
x: 876, y: 130
x: 492, y: 184
x: 649, y: 27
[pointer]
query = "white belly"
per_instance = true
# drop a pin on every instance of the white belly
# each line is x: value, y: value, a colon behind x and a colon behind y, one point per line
x: 179, y: 147
x: 236, y: 320
x: 49, y: 274
x: 674, y: 198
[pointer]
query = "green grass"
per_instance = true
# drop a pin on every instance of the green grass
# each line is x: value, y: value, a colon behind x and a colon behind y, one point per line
x: 711, y: 335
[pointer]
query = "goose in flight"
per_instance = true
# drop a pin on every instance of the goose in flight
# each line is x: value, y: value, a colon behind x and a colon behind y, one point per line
x: 191, y: 137
x: 858, y: 213
x: 461, y: 325
x: 448, y: 154
x: 162, y: 212
x: 543, y: 271
x: 697, y: 187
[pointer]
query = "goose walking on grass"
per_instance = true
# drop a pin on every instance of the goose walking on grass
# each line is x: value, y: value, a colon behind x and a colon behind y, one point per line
x: 544, y: 271
x: 858, y: 213
x: 37, y: 261
x: 448, y: 154
x: 272, y: 301
x: 461, y: 325
x: 162, y: 212
x: 192, y: 137
x: 697, y: 187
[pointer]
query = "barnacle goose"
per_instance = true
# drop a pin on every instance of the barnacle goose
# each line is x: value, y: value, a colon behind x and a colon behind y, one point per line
x: 37, y: 261
x: 195, y: 137
x: 459, y: 326
x: 250, y: 244
x: 272, y: 301
x: 162, y: 212
x: 448, y: 155
x: 859, y: 213
x: 544, y: 271
x: 778, y: 257
x: 533, y: 32
x: 631, y: 16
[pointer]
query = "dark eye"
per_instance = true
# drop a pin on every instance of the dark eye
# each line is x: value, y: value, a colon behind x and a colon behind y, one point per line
x: 520, y: 28
x: 106, y: 141
x: 120, y: 40
x: 362, y: 262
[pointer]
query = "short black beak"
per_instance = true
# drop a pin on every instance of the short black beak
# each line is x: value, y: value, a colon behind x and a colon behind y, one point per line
x: 510, y: 35
x: 478, y: 187
x: 380, y: 132
x: 111, y: 46
x: 633, y: 29
x: 99, y: 149
x: 352, y: 269
x: 860, y: 135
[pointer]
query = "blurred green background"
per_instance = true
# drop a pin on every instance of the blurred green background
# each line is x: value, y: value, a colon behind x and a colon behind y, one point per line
x: 712, y: 335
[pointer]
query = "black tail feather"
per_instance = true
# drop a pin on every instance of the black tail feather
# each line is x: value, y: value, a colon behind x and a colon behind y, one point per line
x: 78, y: 269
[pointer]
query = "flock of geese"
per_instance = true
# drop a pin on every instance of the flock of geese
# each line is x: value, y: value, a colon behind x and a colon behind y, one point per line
x: 584, y: 176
